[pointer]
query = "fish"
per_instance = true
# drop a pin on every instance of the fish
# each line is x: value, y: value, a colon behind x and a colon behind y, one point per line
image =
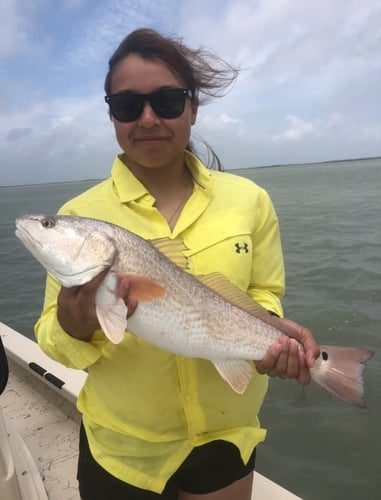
x: 193, y: 316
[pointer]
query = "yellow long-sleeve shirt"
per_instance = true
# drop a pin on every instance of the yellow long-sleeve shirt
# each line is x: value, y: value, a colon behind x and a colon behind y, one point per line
x: 144, y: 409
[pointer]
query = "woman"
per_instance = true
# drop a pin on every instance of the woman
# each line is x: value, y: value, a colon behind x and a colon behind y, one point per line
x: 155, y: 424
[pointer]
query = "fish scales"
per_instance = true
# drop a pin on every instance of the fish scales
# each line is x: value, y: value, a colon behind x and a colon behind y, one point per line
x: 204, y: 317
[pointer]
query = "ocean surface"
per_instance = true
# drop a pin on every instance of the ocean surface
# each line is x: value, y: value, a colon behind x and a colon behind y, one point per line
x: 330, y: 218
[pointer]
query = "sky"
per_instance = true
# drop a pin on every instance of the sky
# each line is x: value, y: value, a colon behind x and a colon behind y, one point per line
x: 309, y: 89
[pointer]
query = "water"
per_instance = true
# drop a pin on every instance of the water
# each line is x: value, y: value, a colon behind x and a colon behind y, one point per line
x: 330, y: 217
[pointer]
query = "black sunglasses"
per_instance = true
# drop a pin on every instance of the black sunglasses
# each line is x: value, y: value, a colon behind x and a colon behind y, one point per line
x: 167, y: 103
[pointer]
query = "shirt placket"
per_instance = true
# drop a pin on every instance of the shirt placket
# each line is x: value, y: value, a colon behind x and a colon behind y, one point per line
x: 189, y: 393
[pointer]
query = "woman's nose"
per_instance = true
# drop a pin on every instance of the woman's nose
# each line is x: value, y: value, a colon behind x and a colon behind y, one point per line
x: 148, y: 118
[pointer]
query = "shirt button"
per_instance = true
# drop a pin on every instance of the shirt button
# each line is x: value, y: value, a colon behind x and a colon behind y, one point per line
x: 189, y: 398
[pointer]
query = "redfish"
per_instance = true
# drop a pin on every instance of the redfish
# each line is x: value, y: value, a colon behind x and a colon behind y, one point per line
x: 198, y: 317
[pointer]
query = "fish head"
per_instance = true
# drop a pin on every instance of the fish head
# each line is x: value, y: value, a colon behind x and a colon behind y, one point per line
x: 73, y: 249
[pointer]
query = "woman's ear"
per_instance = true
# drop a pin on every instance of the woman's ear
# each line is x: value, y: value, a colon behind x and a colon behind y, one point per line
x: 194, y: 107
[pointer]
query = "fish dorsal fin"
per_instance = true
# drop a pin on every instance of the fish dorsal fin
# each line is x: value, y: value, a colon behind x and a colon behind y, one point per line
x: 173, y: 250
x: 226, y: 289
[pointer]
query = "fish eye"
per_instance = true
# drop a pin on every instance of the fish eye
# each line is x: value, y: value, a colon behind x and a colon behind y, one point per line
x: 47, y: 223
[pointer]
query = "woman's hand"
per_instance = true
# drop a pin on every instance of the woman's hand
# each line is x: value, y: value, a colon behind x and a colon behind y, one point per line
x: 124, y: 293
x: 76, y: 307
x: 284, y: 359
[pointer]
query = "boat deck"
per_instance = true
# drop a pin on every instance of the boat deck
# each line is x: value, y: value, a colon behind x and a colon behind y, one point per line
x: 40, y: 407
x: 48, y: 424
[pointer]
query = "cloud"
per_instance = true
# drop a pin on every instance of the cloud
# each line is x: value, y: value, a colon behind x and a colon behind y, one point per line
x: 296, y: 131
x: 308, y: 89
x: 371, y: 133
x: 289, y: 38
x: 14, y: 26
x: 61, y: 139
x: 17, y: 134
x: 107, y: 25
x: 221, y: 121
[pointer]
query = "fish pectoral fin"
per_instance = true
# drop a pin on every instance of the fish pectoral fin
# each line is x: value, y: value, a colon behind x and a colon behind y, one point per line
x: 113, y: 319
x: 236, y: 373
x: 143, y: 289
x: 111, y: 310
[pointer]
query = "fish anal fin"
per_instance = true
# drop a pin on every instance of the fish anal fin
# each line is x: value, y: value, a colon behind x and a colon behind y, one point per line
x: 173, y: 250
x: 143, y: 289
x: 226, y: 289
x: 236, y: 373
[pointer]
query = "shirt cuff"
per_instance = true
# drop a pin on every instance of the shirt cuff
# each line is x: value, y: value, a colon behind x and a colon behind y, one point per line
x: 64, y: 348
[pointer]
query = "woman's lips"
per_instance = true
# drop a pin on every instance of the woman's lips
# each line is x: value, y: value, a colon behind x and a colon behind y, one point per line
x: 151, y: 139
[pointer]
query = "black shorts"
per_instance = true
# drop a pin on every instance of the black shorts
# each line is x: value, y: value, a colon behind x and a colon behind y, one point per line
x: 207, y: 468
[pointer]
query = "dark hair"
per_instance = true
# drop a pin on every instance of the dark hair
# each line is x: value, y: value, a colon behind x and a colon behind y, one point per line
x: 201, y: 70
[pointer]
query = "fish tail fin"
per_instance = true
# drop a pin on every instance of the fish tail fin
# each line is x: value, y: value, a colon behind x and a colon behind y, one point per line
x: 339, y: 371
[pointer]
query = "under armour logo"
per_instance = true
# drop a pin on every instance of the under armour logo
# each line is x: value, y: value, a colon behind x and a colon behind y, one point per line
x: 244, y: 247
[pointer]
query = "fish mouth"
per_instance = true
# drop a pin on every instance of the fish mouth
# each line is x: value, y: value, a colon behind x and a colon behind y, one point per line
x: 62, y: 271
x: 63, y: 275
x: 23, y: 234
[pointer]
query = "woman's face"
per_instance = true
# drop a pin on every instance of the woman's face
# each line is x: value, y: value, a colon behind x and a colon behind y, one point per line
x: 151, y: 141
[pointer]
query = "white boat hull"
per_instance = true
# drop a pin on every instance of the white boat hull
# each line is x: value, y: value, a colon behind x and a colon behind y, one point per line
x: 41, y: 426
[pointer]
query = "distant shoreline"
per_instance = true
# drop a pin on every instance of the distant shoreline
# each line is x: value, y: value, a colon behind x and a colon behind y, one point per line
x: 51, y: 183
x: 307, y: 164
x: 275, y: 165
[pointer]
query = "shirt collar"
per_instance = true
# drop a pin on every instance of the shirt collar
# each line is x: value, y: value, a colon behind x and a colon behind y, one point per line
x: 201, y: 175
x: 129, y: 188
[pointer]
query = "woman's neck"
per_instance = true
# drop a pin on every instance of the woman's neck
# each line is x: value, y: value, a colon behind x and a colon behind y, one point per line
x: 166, y: 181
x: 171, y: 186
